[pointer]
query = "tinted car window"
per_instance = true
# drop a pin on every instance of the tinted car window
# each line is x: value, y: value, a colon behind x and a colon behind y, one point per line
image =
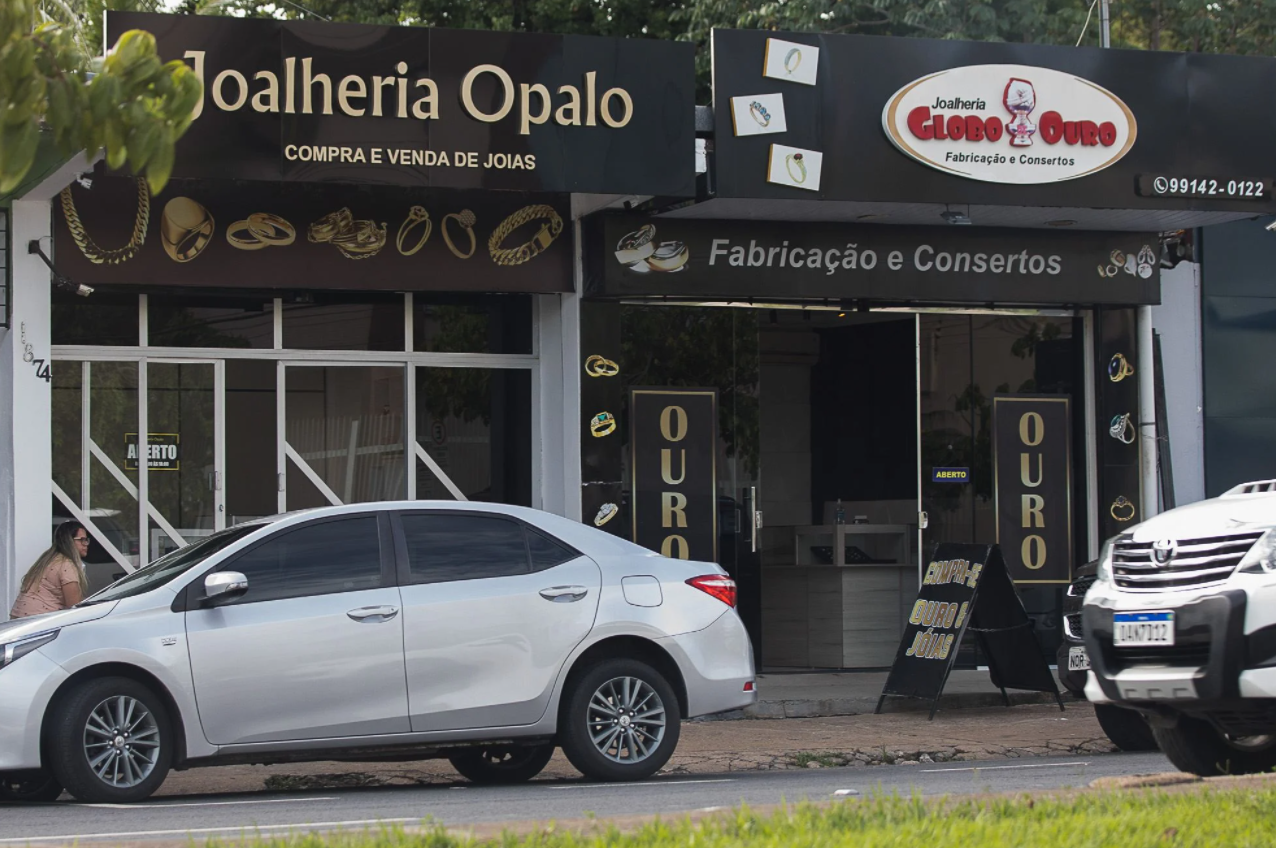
x: 463, y: 547
x: 547, y: 552
x: 313, y: 559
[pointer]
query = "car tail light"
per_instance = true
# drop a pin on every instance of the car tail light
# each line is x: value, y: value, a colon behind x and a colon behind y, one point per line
x: 718, y: 585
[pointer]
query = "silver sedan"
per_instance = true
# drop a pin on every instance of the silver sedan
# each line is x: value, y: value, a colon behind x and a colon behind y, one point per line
x: 486, y: 634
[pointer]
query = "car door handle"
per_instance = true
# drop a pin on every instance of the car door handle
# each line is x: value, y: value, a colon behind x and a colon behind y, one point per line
x: 373, y: 615
x: 564, y: 594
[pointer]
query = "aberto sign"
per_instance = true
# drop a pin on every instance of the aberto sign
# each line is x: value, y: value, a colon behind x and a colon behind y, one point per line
x: 1010, y: 124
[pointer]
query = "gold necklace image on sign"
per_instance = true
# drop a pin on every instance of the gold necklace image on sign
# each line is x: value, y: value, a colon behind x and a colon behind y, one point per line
x: 466, y: 220
x: 416, y: 215
x: 90, y: 249
x: 261, y: 229
x: 533, y: 247
x: 186, y: 228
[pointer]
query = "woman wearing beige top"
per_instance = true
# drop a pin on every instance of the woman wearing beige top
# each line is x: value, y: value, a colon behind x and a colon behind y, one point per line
x: 57, y: 580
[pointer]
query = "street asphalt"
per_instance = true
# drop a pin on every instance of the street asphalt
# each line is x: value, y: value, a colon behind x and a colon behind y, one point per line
x: 456, y: 804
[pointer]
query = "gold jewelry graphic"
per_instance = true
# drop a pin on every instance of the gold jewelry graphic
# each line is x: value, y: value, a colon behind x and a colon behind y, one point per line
x: 271, y: 229
x: 792, y: 59
x: 535, y: 246
x: 602, y: 424
x: 246, y: 242
x: 90, y: 249
x: 606, y: 513
x: 795, y: 159
x: 1121, y: 509
x: 670, y: 256
x: 635, y: 247
x: 416, y: 215
x: 362, y: 240
x: 597, y: 366
x: 466, y: 220
x: 329, y: 225
x: 759, y: 114
x: 1119, y: 368
x: 186, y: 228
x: 1122, y: 429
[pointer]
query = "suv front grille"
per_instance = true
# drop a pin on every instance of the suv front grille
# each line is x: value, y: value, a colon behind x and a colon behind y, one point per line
x: 1196, y: 562
x: 1072, y: 626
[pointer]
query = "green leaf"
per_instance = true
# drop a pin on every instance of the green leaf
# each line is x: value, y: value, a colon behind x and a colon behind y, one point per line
x: 161, y: 164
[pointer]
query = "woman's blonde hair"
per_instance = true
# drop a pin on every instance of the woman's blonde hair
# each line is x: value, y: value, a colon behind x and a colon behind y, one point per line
x: 63, y: 546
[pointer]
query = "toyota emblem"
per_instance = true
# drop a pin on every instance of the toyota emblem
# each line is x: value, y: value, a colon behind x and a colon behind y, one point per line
x: 1163, y: 551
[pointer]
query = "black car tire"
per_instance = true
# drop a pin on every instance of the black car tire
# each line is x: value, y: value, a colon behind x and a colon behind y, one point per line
x: 502, y: 764
x: 585, y: 717
x: 28, y: 787
x: 1196, y: 746
x: 1127, y: 729
x: 148, y: 742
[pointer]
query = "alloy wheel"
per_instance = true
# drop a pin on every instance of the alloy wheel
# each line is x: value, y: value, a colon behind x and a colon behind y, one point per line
x: 626, y: 719
x: 121, y: 741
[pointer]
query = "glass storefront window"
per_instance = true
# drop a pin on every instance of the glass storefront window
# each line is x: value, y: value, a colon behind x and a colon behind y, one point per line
x: 344, y: 322
x: 102, y: 318
x: 204, y: 321
x: 472, y: 323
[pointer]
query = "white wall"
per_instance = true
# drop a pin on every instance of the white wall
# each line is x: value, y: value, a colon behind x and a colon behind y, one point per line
x: 1178, y: 320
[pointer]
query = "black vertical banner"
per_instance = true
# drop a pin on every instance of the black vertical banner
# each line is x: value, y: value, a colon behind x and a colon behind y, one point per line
x: 967, y: 588
x: 673, y: 438
x: 1117, y: 408
x: 1032, y: 470
x: 602, y: 393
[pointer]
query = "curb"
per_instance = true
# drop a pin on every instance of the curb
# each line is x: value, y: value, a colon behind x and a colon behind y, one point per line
x: 861, y: 705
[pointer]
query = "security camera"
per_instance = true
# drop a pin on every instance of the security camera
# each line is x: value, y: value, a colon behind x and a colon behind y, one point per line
x: 60, y: 280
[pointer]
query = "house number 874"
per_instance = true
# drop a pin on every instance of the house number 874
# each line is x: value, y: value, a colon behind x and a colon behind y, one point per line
x: 42, y: 371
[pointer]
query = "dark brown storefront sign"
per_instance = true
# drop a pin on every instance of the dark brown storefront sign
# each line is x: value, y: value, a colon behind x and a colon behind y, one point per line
x: 673, y: 435
x: 1032, y: 446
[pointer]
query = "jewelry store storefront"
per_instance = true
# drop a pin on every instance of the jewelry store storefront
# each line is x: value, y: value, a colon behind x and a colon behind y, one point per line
x: 917, y: 286
x: 356, y: 287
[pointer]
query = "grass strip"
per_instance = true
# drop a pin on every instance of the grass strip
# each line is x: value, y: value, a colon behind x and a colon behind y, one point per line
x: 1233, y: 817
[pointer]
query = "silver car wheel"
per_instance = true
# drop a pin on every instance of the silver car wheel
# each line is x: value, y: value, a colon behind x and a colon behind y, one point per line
x: 121, y: 741
x: 626, y: 720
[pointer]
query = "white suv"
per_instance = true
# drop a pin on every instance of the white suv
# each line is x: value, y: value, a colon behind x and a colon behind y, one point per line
x: 1181, y: 626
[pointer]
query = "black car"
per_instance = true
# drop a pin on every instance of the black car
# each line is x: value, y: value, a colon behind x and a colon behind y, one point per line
x: 1127, y: 729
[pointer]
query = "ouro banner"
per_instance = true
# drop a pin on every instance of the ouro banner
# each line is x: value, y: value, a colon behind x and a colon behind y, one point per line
x: 1032, y: 466
x: 673, y: 437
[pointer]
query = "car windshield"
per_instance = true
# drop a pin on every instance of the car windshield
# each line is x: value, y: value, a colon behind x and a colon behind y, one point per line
x: 171, y: 565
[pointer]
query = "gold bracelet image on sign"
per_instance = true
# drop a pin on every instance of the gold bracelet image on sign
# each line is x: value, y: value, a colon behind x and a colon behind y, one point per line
x: 466, y: 220
x: 598, y: 366
x: 602, y: 424
x: 260, y: 229
x: 416, y: 215
x: 90, y: 249
x: 533, y: 247
x: 186, y: 228
x: 355, y: 239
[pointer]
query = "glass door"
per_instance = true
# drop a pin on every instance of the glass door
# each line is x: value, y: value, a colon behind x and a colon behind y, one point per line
x: 343, y: 437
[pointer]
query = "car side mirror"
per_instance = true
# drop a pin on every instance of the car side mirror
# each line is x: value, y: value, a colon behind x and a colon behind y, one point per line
x: 223, y: 586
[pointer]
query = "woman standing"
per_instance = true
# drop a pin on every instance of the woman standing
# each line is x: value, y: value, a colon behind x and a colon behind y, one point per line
x: 57, y: 579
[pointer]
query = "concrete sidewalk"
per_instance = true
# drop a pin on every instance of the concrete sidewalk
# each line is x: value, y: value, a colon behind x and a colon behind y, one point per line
x: 811, y: 694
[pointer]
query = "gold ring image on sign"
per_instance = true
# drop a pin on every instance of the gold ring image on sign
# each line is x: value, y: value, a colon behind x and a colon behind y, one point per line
x: 1122, y: 509
x: 670, y: 256
x: 186, y: 228
x: 465, y: 218
x: 1119, y: 368
x: 759, y: 114
x: 792, y: 59
x: 271, y: 229
x: 635, y: 247
x: 795, y: 160
x: 247, y: 241
x: 416, y: 215
x: 327, y: 227
x: 90, y: 249
x: 363, y: 239
x: 1122, y: 429
x: 598, y: 366
x: 602, y: 424
x: 606, y: 513
x: 1118, y: 258
x: 536, y: 245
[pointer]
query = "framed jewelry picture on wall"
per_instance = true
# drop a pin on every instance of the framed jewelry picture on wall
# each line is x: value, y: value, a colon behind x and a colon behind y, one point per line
x: 758, y: 114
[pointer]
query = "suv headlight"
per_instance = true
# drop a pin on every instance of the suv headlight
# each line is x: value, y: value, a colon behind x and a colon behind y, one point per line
x: 1262, y: 556
x: 1104, y: 573
x: 15, y: 650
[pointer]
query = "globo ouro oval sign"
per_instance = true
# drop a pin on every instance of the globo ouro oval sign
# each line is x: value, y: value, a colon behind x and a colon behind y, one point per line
x: 1010, y: 124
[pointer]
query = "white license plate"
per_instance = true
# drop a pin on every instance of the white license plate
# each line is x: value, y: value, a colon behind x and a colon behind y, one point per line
x: 1143, y: 629
x: 1078, y: 659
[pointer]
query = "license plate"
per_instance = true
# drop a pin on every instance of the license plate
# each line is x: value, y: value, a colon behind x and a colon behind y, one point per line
x: 1078, y: 659
x: 1143, y: 629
